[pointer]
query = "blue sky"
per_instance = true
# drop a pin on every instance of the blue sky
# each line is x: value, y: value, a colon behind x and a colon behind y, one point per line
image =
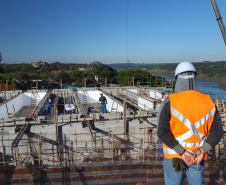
x: 83, y: 31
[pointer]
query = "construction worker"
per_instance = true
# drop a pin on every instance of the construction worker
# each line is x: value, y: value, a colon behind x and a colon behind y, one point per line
x: 103, y: 101
x: 189, y: 125
x: 89, y: 110
x: 49, y: 108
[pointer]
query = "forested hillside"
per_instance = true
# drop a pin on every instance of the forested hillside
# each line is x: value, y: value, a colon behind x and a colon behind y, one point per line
x: 215, y: 71
x: 70, y: 73
x: 74, y: 74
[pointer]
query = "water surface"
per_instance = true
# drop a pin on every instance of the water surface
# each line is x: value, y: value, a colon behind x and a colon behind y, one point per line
x: 214, y: 89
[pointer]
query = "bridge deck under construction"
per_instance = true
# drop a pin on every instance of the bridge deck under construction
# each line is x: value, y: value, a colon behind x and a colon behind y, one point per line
x: 74, y: 147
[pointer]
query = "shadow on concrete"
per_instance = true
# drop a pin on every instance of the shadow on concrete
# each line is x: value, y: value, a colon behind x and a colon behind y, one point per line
x: 45, y: 139
x: 8, y: 172
x: 80, y: 170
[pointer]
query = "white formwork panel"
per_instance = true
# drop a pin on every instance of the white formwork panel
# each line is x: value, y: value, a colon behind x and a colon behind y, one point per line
x: 18, y: 102
x: 132, y: 90
x: 93, y: 97
x: 145, y: 104
x: 155, y: 94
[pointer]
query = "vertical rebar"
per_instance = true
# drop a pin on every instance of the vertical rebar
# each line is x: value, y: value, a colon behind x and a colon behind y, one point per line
x: 112, y: 146
x: 69, y: 157
x: 95, y: 139
x: 64, y: 106
x: 109, y: 150
x: 75, y: 148
x: 143, y: 148
x: 27, y: 150
x: 148, y: 158
x: 3, y: 151
x: 139, y: 149
x: 124, y: 117
x: 156, y: 151
x: 39, y: 143
x: 92, y: 149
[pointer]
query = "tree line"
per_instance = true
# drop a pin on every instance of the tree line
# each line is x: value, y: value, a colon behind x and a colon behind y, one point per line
x: 206, y: 70
x: 71, y: 73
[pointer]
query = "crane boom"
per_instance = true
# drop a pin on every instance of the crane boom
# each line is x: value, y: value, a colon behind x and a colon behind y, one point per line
x: 219, y: 19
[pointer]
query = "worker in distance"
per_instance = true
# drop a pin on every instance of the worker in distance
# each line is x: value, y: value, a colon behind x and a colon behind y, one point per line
x: 103, y: 101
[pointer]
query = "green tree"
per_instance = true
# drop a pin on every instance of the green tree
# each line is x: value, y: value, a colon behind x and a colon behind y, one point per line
x: 43, y: 76
x: 103, y: 70
x: 0, y: 57
x: 125, y: 76
x: 7, y: 76
x: 139, y: 76
x: 1, y: 68
x: 13, y: 83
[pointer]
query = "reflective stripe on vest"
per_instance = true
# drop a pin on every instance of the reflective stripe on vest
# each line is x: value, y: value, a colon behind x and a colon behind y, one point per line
x: 192, y: 114
x: 193, y: 130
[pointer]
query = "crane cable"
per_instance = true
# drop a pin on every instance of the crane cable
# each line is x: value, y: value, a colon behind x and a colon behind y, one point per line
x: 127, y: 33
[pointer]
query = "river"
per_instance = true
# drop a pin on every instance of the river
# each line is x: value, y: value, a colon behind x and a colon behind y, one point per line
x: 214, y: 89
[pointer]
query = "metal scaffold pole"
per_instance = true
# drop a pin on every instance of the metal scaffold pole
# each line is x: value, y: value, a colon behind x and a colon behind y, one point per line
x: 124, y: 117
x: 3, y: 151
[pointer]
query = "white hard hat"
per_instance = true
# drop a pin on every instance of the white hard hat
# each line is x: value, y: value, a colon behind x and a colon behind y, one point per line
x: 184, y: 67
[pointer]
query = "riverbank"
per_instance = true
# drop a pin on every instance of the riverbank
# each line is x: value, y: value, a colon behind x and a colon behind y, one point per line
x: 168, y: 73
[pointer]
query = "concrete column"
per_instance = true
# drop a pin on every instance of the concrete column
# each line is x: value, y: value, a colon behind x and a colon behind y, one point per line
x: 7, y: 86
x: 124, y: 117
x: 84, y: 82
x: 106, y: 84
x: 133, y: 81
x: 138, y: 90
x: 155, y: 81
x: 37, y: 84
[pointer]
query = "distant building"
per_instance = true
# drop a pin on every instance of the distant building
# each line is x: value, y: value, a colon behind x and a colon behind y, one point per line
x: 53, y: 72
x: 38, y: 64
x: 83, y: 69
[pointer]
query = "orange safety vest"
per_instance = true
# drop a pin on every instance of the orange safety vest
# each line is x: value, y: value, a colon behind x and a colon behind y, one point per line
x: 192, y: 114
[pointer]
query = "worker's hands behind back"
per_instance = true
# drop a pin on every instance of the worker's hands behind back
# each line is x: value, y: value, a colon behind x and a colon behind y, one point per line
x: 198, y: 155
x: 188, y: 158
